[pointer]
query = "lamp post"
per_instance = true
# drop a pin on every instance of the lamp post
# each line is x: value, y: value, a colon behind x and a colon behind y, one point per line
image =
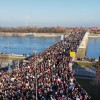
x: 35, y: 62
x: 36, y: 78
x: 18, y: 64
x: 36, y: 83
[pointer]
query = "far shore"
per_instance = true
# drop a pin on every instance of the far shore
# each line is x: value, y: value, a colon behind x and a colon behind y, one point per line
x: 32, y: 34
x: 43, y: 34
x: 94, y: 36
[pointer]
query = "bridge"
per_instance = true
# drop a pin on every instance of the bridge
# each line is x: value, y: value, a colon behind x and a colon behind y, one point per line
x: 45, y: 76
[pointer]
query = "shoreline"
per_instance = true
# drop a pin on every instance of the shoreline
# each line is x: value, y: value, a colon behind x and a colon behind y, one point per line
x: 32, y: 34
x: 94, y: 36
x: 42, y: 34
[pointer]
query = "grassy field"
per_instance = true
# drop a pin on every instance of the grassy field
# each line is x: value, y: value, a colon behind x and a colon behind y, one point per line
x: 85, y: 64
x: 91, y: 89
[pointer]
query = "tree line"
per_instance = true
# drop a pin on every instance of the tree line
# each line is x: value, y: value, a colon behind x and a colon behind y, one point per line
x: 33, y: 29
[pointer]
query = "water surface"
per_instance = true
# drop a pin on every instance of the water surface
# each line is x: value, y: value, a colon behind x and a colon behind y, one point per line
x: 26, y: 45
x: 93, y: 48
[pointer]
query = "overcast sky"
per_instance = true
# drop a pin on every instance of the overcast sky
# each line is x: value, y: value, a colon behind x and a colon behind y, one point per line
x: 67, y: 13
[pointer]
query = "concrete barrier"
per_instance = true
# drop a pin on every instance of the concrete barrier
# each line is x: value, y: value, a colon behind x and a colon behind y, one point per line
x: 81, y: 52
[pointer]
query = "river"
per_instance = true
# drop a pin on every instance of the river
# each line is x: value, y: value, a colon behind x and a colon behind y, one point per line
x: 26, y: 45
x: 93, y: 48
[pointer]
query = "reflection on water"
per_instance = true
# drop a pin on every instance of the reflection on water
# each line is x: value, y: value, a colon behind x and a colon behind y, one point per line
x: 25, y: 45
x: 93, y: 48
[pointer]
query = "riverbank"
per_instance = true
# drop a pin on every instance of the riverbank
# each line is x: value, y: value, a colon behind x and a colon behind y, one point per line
x: 6, y: 59
x: 94, y: 35
x: 43, y: 34
x: 32, y: 34
x: 12, y: 56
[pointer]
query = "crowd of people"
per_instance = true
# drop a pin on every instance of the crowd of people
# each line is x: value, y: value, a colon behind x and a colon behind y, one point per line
x: 47, y: 76
x: 87, y: 59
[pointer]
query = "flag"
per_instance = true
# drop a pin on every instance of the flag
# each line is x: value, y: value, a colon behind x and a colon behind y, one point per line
x: 74, y: 70
x: 71, y: 83
x: 9, y: 68
x: 77, y: 69
x: 35, y: 52
x: 72, y: 54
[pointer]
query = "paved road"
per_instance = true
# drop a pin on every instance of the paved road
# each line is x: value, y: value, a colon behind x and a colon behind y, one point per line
x: 82, y: 77
x: 84, y: 71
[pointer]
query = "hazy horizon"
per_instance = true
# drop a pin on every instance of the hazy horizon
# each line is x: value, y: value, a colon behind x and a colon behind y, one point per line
x: 50, y: 13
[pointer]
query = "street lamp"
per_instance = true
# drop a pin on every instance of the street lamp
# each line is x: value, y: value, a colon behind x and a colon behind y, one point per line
x: 36, y: 83
x: 36, y: 78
